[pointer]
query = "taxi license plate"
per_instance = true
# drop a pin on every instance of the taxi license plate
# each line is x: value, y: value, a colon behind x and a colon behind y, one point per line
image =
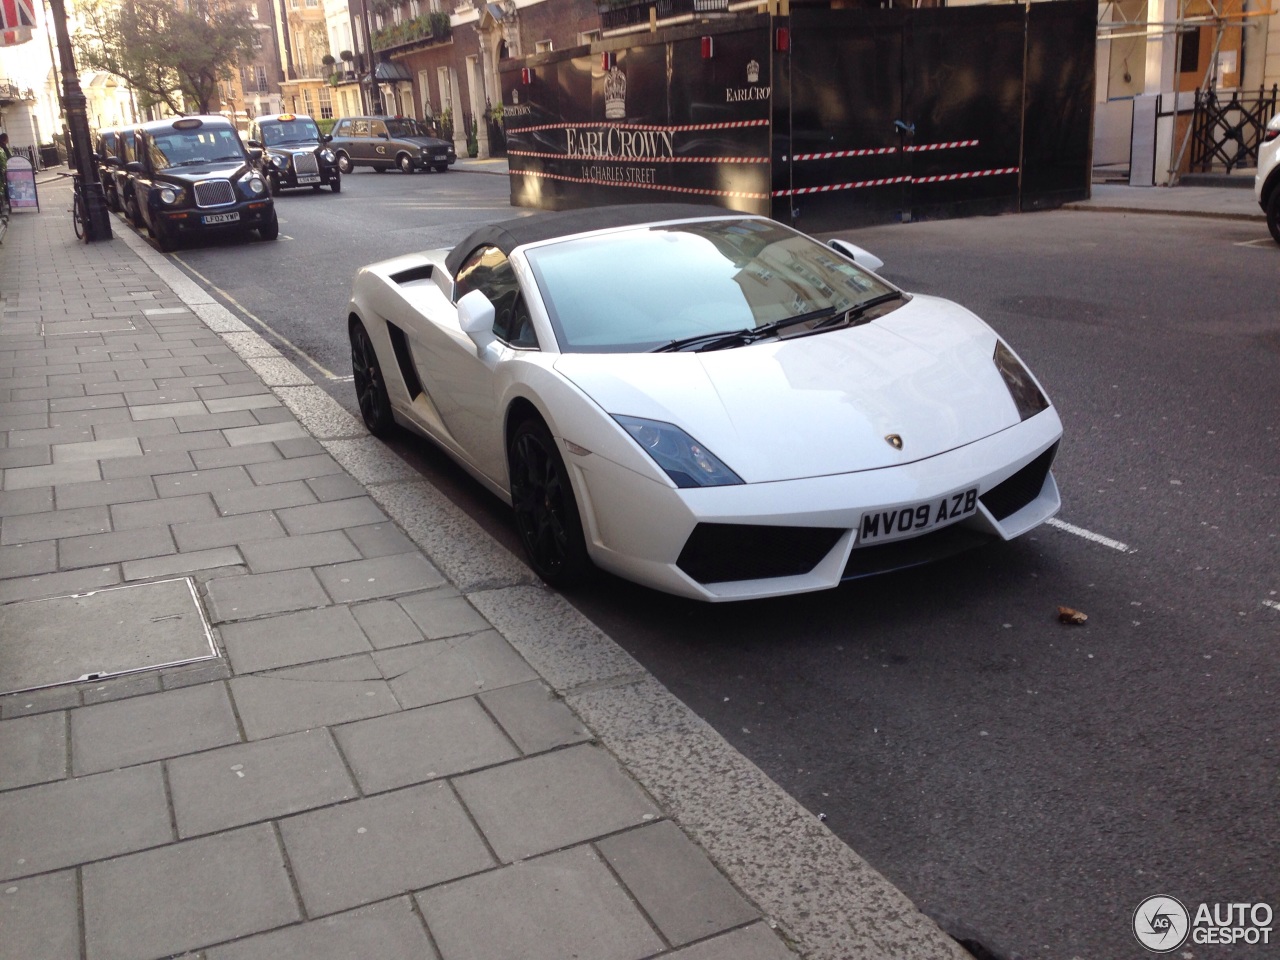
x: 441, y: 156
x: 220, y: 217
x: 915, y: 519
x: 308, y: 179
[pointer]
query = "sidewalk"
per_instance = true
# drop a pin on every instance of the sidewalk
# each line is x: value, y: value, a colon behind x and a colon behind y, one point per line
x: 398, y: 746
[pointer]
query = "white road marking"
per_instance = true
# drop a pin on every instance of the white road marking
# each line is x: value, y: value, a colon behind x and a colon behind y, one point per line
x: 1263, y: 242
x: 1089, y: 535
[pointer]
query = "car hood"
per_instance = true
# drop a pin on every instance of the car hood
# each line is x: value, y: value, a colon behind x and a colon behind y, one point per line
x: 821, y: 404
x: 203, y: 171
x: 301, y: 146
x: 431, y: 143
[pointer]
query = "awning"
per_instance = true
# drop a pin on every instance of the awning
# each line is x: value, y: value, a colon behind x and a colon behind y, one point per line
x: 389, y: 72
x: 17, y: 21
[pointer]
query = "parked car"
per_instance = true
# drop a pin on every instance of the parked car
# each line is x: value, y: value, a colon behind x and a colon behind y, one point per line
x: 191, y: 176
x: 105, y: 151
x: 1266, y: 185
x: 386, y: 142
x: 706, y: 402
x: 290, y: 151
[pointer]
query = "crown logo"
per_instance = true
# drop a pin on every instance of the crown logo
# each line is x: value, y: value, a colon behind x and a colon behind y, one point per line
x: 753, y: 71
x: 615, y: 94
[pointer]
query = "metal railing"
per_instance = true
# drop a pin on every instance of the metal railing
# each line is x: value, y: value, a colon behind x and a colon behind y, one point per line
x: 627, y: 13
x: 1228, y: 134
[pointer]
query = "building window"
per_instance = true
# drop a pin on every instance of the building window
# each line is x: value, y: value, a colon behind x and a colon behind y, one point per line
x: 543, y: 46
x: 1190, y: 62
x: 326, y: 104
x: 260, y: 75
x: 306, y: 102
x: 590, y: 36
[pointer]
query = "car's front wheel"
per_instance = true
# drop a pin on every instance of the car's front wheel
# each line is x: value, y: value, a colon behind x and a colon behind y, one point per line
x: 1273, y: 215
x: 336, y: 185
x: 273, y: 182
x: 371, y: 388
x: 271, y: 229
x: 545, y: 509
x: 442, y: 168
x: 344, y: 163
x: 406, y: 163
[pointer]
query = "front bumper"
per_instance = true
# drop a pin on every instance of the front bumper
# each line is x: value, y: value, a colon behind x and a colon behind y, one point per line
x: 640, y: 529
x: 191, y: 221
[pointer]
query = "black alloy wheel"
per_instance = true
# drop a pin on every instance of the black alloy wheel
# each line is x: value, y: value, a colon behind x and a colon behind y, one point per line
x: 545, y: 509
x: 371, y: 388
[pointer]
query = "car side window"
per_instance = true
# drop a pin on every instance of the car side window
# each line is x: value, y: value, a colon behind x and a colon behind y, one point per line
x: 360, y: 128
x: 343, y: 129
x: 378, y: 128
x: 488, y: 270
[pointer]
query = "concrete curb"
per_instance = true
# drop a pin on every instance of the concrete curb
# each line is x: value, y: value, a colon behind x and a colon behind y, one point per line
x: 826, y: 901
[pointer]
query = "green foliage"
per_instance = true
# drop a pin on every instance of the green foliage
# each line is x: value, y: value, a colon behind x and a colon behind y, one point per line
x: 431, y: 26
x: 446, y: 124
x: 326, y: 124
x: 169, y: 54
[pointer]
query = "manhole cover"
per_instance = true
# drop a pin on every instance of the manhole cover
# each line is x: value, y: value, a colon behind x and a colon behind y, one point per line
x: 104, y: 633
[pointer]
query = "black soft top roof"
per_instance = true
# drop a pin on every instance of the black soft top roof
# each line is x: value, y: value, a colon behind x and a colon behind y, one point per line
x: 509, y: 234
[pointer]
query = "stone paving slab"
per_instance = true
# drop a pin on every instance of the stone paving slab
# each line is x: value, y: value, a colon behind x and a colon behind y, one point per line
x: 533, y: 911
x: 381, y: 846
x: 161, y: 902
x: 390, y: 930
x: 242, y: 784
x: 40, y: 918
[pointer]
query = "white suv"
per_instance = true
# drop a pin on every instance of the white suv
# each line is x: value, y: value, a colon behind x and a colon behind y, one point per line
x: 1266, y: 186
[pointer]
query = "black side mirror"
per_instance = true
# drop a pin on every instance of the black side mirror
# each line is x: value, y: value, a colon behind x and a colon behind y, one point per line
x: 135, y: 166
x: 326, y: 137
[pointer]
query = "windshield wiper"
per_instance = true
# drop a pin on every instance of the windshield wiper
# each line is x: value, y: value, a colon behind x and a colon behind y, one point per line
x: 191, y: 163
x: 738, y: 338
x: 855, y: 313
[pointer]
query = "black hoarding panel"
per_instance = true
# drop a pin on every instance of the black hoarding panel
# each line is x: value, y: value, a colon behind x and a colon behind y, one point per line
x: 963, y: 94
x: 1058, y: 135
x: 845, y: 165
x: 685, y: 119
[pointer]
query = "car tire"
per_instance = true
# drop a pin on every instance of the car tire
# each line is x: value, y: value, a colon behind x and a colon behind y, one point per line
x: 131, y: 212
x: 165, y: 240
x: 336, y: 186
x: 442, y: 168
x: 344, y: 163
x: 380, y: 168
x: 546, y: 511
x: 271, y: 229
x: 1273, y: 214
x: 371, y: 387
x: 406, y: 164
x: 273, y: 185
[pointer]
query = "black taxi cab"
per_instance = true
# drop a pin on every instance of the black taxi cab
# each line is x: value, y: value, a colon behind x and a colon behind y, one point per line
x: 191, y: 177
x: 386, y: 142
x: 290, y: 151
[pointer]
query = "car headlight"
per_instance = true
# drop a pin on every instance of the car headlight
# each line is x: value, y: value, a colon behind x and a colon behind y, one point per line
x: 279, y: 162
x: 255, y: 184
x: 327, y: 156
x: 169, y: 196
x: 1026, y: 395
x: 687, y: 462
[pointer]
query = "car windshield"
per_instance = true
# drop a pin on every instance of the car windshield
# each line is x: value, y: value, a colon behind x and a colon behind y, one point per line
x: 288, y: 131
x: 407, y: 128
x: 651, y: 287
x: 186, y: 148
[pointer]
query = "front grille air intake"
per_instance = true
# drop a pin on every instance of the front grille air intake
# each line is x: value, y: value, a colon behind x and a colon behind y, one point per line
x: 1011, y: 495
x: 214, y: 193
x: 305, y: 164
x: 722, y: 552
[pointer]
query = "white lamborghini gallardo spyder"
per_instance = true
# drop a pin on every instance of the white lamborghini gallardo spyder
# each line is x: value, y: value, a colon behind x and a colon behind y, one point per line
x: 706, y: 402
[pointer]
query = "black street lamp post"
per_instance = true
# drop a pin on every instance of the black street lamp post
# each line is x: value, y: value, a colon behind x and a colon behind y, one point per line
x: 97, y: 216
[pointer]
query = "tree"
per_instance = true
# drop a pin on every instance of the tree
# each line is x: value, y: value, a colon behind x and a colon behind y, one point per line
x: 169, y: 53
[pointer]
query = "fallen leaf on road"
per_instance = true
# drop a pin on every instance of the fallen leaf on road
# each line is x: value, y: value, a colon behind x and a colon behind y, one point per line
x: 1069, y: 616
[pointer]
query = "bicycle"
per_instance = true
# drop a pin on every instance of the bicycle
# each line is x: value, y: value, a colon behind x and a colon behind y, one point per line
x: 79, y: 215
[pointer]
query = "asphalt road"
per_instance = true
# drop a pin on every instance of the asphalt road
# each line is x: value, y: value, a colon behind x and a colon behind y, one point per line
x: 1025, y: 782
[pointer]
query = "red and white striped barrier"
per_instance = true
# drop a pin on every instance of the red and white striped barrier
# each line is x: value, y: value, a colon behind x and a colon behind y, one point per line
x: 969, y: 175
x: 642, y: 186
x: 588, y: 156
x: 683, y: 128
x: 837, y: 154
x: 950, y: 145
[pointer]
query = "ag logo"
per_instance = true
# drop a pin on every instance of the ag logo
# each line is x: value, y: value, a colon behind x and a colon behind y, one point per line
x: 1161, y: 924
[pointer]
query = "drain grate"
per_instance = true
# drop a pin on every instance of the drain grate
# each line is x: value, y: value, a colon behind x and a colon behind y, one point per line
x: 103, y: 633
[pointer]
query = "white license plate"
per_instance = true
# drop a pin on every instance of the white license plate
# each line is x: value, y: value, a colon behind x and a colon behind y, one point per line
x: 220, y: 217
x: 308, y: 179
x: 441, y: 156
x: 898, y: 523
